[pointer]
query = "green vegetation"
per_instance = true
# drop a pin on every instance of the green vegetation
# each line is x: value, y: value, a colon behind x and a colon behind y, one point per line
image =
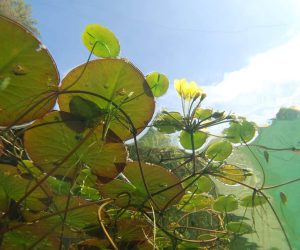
x: 68, y: 180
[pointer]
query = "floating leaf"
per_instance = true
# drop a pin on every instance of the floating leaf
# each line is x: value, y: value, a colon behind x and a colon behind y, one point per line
x: 239, y: 227
x: 4, y: 200
x: 86, y: 110
x: 283, y: 197
x: 219, y: 151
x: 15, y: 187
x: 196, y: 202
x: 28, y: 75
x: 78, y: 218
x: 92, y: 243
x: 225, y: 204
x: 118, y: 81
x: 101, y: 40
x: 253, y: 201
x: 233, y: 173
x: 185, y: 139
x: 25, y: 237
x: 133, y: 193
x: 158, y: 83
x: 50, y: 140
x: 203, y: 185
x: 240, y: 132
x: 168, y: 122
x: 203, y: 113
x: 133, y: 230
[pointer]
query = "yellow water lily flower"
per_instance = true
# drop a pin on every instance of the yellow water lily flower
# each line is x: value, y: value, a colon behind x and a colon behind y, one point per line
x: 187, y: 90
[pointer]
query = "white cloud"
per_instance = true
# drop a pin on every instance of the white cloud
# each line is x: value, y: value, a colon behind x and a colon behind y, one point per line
x: 270, y: 80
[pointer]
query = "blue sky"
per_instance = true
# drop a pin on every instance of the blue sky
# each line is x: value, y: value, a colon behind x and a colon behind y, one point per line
x: 243, y: 53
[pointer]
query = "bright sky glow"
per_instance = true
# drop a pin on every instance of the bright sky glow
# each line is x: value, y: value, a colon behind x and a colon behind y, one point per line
x: 245, y: 54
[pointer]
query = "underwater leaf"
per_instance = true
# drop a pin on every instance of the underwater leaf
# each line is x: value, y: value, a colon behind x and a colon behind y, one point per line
x: 168, y: 122
x: 203, y: 185
x: 4, y: 200
x: 28, y: 75
x: 52, y: 140
x: 25, y: 237
x: 133, y: 230
x: 253, y: 201
x: 159, y: 83
x: 226, y: 204
x: 92, y: 243
x: 86, y: 110
x: 240, y: 132
x: 15, y: 187
x: 119, y: 82
x: 81, y: 217
x: 186, y: 140
x: 219, y: 151
x: 196, y: 202
x: 232, y: 172
x: 133, y: 193
x: 239, y: 227
x: 27, y: 167
x: 103, y: 41
x: 59, y: 187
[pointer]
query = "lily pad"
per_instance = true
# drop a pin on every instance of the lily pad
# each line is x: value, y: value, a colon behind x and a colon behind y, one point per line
x: 118, y: 81
x: 253, y: 201
x: 239, y: 227
x: 168, y: 122
x: 240, y: 132
x: 203, y: 113
x: 14, y: 187
x: 133, y: 230
x: 103, y: 41
x: 186, y: 139
x: 133, y: 194
x: 55, y: 141
x: 233, y: 173
x: 203, y: 185
x: 159, y: 83
x: 196, y: 202
x: 219, y: 151
x: 28, y: 76
x: 225, y: 204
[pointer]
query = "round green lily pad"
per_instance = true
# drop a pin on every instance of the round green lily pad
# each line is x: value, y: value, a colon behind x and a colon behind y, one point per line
x: 203, y: 185
x: 118, y: 81
x: 186, y: 140
x: 133, y: 194
x: 226, y: 204
x: 233, y: 173
x: 219, y: 151
x: 196, y: 202
x: 101, y: 40
x: 239, y: 227
x: 159, y: 83
x: 168, y: 122
x: 240, y: 132
x: 28, y: 76
x: 253, y: 201
x: 55, y: 138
